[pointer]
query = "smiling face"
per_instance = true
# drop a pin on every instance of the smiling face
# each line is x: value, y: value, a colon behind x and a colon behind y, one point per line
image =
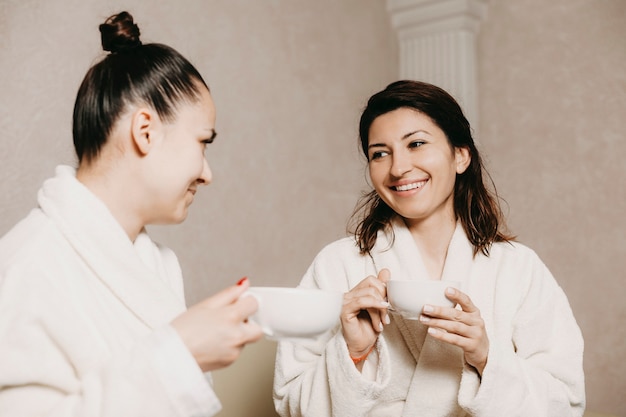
x: 178, y: 160
x: 413, y: 167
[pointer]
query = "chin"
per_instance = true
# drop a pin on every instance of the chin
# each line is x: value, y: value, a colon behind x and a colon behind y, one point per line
x: 178, y: 217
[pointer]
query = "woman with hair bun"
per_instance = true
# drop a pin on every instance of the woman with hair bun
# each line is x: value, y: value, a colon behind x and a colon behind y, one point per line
x: 93, y: 319
x: 511, y: 347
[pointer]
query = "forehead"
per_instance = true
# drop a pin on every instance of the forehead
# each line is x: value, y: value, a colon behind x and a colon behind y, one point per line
x: 397, y: 123
x: 201, y: 110
x: 205, y: 102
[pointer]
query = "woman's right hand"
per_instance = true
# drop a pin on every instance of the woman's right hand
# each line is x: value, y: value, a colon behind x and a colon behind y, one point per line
x: 216, y: 329
x: 364, y: 313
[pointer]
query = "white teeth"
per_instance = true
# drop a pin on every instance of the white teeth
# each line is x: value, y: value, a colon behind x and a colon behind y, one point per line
x: 408, y: 187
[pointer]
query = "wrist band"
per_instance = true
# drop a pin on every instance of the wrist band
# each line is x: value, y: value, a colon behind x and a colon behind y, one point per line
x: 362, y: 358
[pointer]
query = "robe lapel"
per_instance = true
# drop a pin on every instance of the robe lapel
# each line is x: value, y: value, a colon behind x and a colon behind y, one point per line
x: 402, y: 257
x: 413, y: 332
x: 435, y: 383
x: 460, y: 259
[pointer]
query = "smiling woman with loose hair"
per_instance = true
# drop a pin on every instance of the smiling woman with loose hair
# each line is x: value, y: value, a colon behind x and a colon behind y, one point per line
x: 510, y: 346
x: 475, y: 206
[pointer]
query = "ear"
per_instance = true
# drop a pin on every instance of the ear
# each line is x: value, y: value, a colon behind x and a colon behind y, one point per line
x: 143, y: 125
x: 462, y: 159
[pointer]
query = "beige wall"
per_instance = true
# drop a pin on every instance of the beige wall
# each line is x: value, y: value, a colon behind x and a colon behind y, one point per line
x: 553, y: 123
x: 289, y: 78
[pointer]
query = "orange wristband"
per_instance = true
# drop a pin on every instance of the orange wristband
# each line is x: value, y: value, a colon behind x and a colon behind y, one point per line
x: 362, y: 358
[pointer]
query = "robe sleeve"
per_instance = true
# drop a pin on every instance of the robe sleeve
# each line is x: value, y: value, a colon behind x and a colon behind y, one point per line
x: 539, y: 371
x: 327, y: 384
x: 39, y: 348
x: 317, y: 378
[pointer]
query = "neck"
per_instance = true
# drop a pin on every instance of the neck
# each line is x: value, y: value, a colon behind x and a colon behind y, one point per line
x: 113, y: 188
x: 432, y: 237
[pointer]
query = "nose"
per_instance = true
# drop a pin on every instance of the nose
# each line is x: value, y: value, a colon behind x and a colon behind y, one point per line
x: 400, y: 164
x: 206, y: 176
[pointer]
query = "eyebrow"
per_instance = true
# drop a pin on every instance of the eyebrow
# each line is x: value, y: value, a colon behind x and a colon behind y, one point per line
x: 404, y: 137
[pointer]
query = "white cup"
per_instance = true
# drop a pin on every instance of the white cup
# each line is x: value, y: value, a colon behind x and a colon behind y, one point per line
x: 295, y: 313
x: 407, y: 297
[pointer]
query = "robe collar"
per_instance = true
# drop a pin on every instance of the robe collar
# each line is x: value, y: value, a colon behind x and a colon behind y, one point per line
x: 434, y: 386
x: 105, y: 248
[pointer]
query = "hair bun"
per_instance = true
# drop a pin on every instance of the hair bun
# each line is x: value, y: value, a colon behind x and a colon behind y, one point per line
x: 119, y: 32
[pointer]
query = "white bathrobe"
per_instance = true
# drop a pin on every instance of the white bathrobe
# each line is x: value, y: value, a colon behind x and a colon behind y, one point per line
x: 84, y: 316
x: 534, y: 366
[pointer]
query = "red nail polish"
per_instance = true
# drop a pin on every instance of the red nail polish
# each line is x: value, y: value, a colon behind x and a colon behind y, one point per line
x: 242, y: 280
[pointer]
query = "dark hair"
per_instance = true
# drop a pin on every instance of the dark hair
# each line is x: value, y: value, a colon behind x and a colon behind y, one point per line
x: 474, y: 205
x: 154, y: 74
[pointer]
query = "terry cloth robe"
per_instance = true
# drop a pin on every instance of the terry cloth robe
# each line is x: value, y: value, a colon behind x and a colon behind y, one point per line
x: 534, y: 366
x: 84, y: 316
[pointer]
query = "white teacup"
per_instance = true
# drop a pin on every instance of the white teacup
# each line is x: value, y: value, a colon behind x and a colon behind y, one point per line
x: 408, y: 297
x: 295, y: 313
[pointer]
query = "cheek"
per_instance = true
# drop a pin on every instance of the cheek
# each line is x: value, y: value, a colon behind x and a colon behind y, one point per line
x: 377, y: 172
x: 202, y: 160
x: 194, y: 160
x: 375, y: 179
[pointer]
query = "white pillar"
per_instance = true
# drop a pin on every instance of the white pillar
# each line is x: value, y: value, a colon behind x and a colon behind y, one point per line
x: 437, y: 44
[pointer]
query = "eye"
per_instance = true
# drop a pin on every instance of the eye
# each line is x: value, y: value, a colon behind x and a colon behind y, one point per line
x: 205, y: 142
x: 211, y: 139
x: 378, y: 155
x: 416, y: 143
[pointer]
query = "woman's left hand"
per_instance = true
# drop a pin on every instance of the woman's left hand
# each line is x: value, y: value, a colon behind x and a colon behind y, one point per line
x: 464, y: 328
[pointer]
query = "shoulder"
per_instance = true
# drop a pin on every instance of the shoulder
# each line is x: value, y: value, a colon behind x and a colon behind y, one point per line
x: 27, y: 241
x: 32, y: 258
x: 338, y: 265
x: 523, y: 270
x: 340, y: 250
x: 514, y: 253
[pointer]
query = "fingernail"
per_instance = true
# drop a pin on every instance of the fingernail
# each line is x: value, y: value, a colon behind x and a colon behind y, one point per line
x: 380, y: 327
x: 387, y: 319
x: 424, y: 319
x: 450, y: 291
x: 384, y: 303
x: 432, y: 330
x: 428, y: 309
x: 242, y: 280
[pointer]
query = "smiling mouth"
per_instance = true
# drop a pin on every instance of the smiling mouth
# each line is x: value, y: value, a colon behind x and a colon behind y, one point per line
x: 407, y: 187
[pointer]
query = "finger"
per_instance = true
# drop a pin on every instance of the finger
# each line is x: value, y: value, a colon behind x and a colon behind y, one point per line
x: 452, y: 338
x: 461, y: 299
x: 436, y: 316
x: 371, y: 307
x: 364, y: 301
x: 246, y: 306
x: 384, y: 276
x: 375, y: 289
x: 469, y: 343
x: 376, y: 318
x: 252, y: 332
x: 450, y: 326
